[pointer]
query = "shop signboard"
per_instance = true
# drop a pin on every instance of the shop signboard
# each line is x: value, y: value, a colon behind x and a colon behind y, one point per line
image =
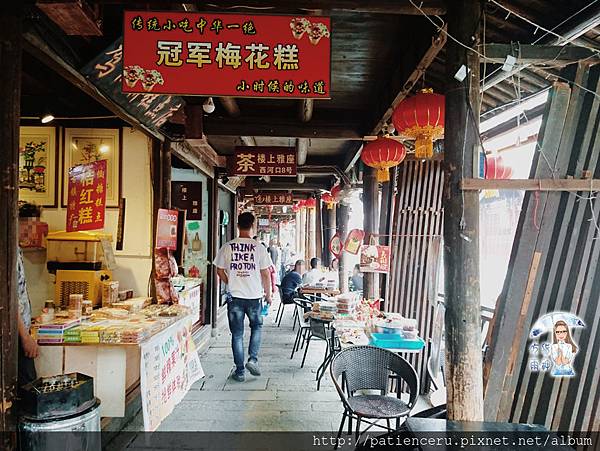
x: 166, y: 229
x: 169, y: 366
x: 188, y: 196
x: 86, y: 196
x: 375, y: 258
x: 106, y: 73
x: 335, y: 245
x: 259, y: 161
x: 273, y: 198
x: 354, y: 241
x: 220, y: 54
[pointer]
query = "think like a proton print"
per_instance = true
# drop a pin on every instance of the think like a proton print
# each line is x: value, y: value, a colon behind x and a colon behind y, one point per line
x: 243, y: 257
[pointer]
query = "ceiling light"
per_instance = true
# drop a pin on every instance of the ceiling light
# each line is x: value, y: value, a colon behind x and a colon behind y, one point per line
x: 209, y: 105
x: 47, y: 118
x: 104, y: 148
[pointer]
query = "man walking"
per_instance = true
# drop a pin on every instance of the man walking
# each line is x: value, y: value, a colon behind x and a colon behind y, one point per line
x: 243, y: 264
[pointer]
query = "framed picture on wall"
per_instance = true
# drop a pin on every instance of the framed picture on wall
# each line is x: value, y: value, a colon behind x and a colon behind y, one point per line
x: 86, y: 145
x: 38, y: 166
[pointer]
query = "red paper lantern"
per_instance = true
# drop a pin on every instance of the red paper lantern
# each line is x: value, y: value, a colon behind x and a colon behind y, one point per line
x: 383, y: 154
x: 421, y: 117
x: 310, y: 203
x: 495, y: 168
x: 335, y: 192
x: 329, y: 200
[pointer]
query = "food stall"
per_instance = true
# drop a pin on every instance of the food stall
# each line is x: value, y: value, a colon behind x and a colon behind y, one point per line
x: 121, y: 340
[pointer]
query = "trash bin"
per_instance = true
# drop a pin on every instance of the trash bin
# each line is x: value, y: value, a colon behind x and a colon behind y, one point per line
x: 80, y: 431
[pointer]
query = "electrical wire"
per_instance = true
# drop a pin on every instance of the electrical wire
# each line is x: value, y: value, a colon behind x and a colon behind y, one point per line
x: 566, y: 41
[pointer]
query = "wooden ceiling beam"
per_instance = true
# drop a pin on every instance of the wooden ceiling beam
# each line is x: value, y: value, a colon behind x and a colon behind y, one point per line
x: 431, y: 7
x: 536, y: 54
x: 437, y: 43
x: 279, y: 128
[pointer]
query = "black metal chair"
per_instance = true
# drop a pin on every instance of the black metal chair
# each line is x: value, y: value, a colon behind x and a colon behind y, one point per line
x: 320, y: 330
x: 281, y: 308
x: 302, y: 306
x: 370, y: 368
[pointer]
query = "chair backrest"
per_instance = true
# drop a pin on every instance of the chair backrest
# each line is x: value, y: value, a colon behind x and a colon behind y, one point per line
x: 318, y: 328
x: 369, y: 368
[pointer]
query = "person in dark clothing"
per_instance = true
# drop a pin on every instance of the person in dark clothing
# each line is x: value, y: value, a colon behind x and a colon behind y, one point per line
x: 357, y: 279
x: 291, y: 282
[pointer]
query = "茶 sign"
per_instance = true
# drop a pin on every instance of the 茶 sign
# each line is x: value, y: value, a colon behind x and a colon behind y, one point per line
x: 87, y: 196
x: 259, y: 161
x: 241, y: 55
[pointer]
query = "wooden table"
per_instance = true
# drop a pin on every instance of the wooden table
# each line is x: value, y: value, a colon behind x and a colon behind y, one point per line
x: 319, y: 291
x: 343, y: 345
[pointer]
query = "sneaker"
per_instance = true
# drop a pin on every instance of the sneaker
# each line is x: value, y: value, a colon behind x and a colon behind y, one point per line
x: 238, y: 377
x: 252, y: 366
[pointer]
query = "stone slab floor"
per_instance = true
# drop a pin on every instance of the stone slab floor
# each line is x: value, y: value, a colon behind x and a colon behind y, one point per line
x: 283, y: 399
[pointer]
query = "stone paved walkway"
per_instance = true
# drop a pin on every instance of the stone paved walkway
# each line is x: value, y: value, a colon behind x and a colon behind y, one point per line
x: 283, y: 399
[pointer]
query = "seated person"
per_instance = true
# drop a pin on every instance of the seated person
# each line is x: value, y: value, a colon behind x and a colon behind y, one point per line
x: 291, y: 282
x: 357, y: 279
x: 314, y: 274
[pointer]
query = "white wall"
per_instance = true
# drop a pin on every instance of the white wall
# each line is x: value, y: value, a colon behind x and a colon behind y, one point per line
x: 135, y: 260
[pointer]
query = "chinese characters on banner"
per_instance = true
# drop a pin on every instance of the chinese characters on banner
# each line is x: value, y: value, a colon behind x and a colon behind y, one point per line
x: 166, y: 229
x: 169, y: 365
x: 106, y: 73
x: 375, y: 258
x: 258, y: 161
x: 87, y: 196
x: 241, y: 55
x: 265, y: 198
x: 188, y: 196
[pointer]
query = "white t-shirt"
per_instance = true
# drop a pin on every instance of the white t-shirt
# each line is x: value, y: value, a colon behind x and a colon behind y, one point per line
x: 242, y: 259
x: 313, y: 276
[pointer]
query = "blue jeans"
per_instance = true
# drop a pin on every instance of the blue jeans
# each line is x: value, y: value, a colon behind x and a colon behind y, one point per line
x: 237, y: 309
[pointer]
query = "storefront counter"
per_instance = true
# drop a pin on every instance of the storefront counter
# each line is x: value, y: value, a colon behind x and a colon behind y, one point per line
x: 166, y: 365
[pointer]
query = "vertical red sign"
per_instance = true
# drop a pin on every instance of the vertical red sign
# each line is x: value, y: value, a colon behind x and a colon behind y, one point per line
x: 166, y: 229
x: 87, y: 196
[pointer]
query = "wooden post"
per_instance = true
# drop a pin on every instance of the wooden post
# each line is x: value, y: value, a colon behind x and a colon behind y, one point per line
x: 370, y: 221
x: 342, y: 229
x: 10, y: 89
x: 464, y: 380
x: 328, y: 232
x: 213, y: 236
x: 319, y: 228
x: 165, y: 179
x: 385, y: 222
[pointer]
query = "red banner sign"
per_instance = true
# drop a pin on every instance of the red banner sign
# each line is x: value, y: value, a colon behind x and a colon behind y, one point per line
x: 354, y: 241
x: 259, y: 161
x: 241, y: 55
x: 375, y: 258
x: 274, y: 199
x: 87, y: 196
x: 166, y: 229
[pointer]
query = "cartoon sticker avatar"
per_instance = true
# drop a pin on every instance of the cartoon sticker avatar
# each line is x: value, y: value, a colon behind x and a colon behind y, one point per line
x: 563, y: 350
x: 559, y: 352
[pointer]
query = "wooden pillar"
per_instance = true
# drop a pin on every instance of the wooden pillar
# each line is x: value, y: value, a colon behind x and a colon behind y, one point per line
x: 213, y: 235
x: 370, y: 227
x: 165, y: 201
x: 10, y: 89
x: 328, y: 232
x: 342, y: 229
x: 319, y: 228
x: 464, y: 379
x: 385, y: 223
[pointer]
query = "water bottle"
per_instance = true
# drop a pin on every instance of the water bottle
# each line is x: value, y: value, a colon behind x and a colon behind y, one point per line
x: 265, y: 309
